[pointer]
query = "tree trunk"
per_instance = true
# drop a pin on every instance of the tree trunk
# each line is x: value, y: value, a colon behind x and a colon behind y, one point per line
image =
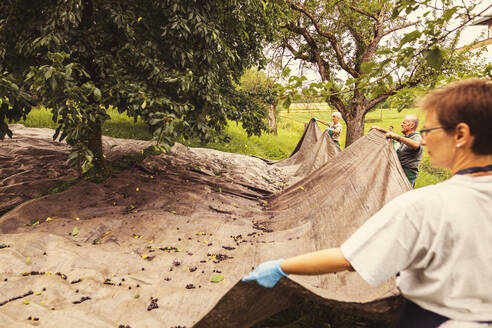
x: 272, y: 118
x: 94, y: 143
x: 355, y: 126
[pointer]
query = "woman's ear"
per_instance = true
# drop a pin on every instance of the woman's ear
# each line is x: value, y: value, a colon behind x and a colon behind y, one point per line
x: 462, y: 135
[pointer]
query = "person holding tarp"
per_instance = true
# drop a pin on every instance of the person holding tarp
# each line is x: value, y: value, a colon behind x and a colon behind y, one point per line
x: 410, y: 150
x: 334, y: 128
x: 438, y: 238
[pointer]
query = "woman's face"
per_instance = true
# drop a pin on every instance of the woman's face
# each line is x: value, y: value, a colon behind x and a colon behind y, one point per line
x: 440, y: 143
x: 335, y: 119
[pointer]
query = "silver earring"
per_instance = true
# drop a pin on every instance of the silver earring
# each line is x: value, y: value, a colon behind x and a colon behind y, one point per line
x: 458, y: 145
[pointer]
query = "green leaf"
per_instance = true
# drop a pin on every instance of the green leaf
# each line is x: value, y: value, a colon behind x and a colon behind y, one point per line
x: 448, y: 13
x: 367, y: 67
x: 410, y: 37
x: 396, y: 12
x: 434, y: 57
x: 97, y: 94
x: 216, y: 279
x: 75, y: 231
x: 48, y: 73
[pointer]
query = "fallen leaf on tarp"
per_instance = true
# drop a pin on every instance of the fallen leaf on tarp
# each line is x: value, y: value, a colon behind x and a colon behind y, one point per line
x: 77, y: 219
x: 216, y: 279
x: 75, y: 231
x: 28, y: 260
x: 302, y: 188
x: 153, y: 304
x: 108, y: 282
x: 33, y: 223
x: 137, y: 296
x: 26, y: 302
x: 48, y: 219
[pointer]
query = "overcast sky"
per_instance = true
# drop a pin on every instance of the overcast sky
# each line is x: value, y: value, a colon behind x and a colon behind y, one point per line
x: 471, y: 33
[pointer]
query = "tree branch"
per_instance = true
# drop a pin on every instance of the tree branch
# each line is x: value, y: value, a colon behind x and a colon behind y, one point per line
x: 363, y: 12
x: 296, y: 53
x: 378, y: 35
x: 399, y: 28
x: 322, y: 65
x: 331, y: 38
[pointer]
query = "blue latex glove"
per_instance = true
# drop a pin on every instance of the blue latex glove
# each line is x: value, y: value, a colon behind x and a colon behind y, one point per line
x: 267, y: 274
x: 315, y: 119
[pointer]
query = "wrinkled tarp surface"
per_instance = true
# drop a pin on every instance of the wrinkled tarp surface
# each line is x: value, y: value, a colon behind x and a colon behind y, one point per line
x: 176, y: 224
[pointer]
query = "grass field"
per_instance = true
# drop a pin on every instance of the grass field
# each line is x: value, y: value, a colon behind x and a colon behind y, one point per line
x: 290, y: 128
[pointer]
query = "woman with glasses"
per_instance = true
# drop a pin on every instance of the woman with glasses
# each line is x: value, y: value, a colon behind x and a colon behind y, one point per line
x: 438, y: 238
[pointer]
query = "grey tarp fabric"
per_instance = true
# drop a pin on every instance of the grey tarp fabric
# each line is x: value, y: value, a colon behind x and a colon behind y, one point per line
x: 312, y: 151
x: 32, y: 163
x: 173, y: 223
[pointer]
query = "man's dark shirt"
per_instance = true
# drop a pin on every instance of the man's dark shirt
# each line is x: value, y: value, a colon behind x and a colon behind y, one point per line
x: 410, y: 158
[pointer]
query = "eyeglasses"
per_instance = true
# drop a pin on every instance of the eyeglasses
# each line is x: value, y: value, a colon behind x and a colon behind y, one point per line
x: 425, y: 132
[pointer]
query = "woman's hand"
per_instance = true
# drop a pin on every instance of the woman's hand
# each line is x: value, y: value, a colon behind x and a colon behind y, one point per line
x: 267, y: 274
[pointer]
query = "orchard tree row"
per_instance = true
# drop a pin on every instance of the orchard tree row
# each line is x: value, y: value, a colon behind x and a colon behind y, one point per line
x: 177, y: 64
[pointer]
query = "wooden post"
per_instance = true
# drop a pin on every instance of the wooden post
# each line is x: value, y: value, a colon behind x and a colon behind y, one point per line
x: 272, y: 119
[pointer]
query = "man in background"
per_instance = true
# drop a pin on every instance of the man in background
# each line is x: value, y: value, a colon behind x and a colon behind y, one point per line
x: 410, y: 151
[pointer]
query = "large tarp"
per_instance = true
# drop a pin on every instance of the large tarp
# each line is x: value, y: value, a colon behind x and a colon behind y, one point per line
x: 312, y: 151
x: 183, y: 228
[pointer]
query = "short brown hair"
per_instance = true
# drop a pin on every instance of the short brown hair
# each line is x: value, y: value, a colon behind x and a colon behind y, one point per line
x: 468, y: 101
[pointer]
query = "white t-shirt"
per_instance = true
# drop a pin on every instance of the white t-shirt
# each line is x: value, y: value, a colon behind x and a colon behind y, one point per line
x: 440, y: 240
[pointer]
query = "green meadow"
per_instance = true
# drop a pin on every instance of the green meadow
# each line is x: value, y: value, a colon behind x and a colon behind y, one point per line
x: 290, y: 128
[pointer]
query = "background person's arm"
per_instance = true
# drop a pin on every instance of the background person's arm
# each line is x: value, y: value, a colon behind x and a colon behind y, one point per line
x: 379, y: 128
x: 407, y: 141
x: 323, y: 122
